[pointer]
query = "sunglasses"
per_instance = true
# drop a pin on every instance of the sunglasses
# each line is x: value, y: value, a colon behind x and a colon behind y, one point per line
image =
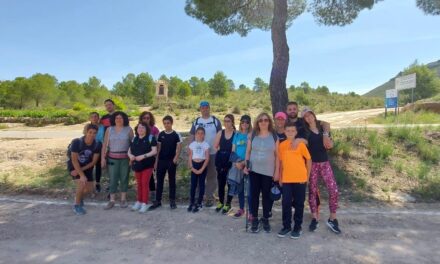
x: 226, y: 121
x: 266, y: 120
x: 244, y: 122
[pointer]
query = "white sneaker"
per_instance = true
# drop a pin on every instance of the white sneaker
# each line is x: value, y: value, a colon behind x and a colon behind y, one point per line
x: 143, y: 209
x: 136, y: 206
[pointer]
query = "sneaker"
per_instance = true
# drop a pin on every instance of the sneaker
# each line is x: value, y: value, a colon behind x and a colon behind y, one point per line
x: 136, y: 206
x: 190, y: 207
x: 143, y: 209
x: 173, y: 205
x: 239, y: 213
x: 109, y: 205
x: 154, y: 206
x: 124, y: 204
x: 313, y: 225
x: 296, y: 233
x: 226, y: 209
x: 78, y: 210
x: 209, y: 203
x: 266, y: 225
x: 218, y: 208
x: 283, y: 232
x: 196, y: 208
x: 334, y: 226
x: 98, y: 188
x: 255, y: 228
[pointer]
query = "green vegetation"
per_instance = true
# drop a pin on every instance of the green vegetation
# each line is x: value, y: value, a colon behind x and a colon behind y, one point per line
x: 428, y: 83
x: 407, y: 117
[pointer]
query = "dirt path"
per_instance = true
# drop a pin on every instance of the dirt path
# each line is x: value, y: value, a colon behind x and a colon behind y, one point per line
x: 33, y: 231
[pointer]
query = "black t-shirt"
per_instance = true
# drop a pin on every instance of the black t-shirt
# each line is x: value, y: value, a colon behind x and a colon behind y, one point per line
x: 316, y: 147
x: 141, y: 146
x: 281, y: 137
x: 168, y: 144
x: 85, y: 152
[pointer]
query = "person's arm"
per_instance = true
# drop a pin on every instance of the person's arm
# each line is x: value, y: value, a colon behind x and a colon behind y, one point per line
x: 248, y: 154
x: 309, y: 168
x: 205, y: 163
x: 157, y: 156
x: 276, y: 176
x: 131, y: 134
x: 216, y: 144
x: 190, y: 155
x: 104, y: 149
x: 178, y: 149
x: 297, y: 141
x: 77, y: 167
x: 328, y: 144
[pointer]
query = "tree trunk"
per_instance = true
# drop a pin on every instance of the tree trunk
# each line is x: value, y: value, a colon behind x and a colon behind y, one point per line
x: 280, y: 65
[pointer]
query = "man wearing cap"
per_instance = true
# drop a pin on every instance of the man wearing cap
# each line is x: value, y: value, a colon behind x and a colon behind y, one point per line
x: 292, y: 114
x: 212, y: 125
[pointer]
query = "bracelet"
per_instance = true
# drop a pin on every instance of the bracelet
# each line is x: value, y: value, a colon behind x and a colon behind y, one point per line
x: 325, y: 134
x: 146, y: 155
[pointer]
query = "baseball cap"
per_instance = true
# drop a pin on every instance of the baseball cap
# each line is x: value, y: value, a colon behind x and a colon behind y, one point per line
x: 204, y: 103
x: 275, y: 192
x: 245, y: 118
x: 281, y: 115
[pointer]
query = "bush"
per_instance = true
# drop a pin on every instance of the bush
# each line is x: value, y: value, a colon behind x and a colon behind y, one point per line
x: 236, y: 110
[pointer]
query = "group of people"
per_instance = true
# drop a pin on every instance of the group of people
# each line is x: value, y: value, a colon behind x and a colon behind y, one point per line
x: 285, y: 154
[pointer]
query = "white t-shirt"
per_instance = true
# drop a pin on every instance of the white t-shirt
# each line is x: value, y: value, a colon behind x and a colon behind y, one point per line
x: 198, y: 150
x: 211, y: 125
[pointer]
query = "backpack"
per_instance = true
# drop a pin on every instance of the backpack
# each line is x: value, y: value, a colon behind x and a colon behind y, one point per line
x: 215, y: 120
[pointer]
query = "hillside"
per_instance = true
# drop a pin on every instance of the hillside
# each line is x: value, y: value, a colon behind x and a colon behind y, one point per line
x: 380, y: 90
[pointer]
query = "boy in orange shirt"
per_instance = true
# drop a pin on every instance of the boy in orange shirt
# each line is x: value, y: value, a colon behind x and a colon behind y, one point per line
x: 293, y: 168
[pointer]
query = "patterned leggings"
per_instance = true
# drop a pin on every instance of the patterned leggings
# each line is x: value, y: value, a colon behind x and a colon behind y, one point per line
x: 325, y: 170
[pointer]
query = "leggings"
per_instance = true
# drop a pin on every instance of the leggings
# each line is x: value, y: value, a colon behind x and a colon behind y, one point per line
x: 98, y: 171
x: 324, y: 170
x: 197, y: 179
x: 142, y: 179
x: 222, y: 176
x: 260, y: 184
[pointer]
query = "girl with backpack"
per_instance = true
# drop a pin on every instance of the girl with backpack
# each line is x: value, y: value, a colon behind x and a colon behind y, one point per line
x: 223, y: 145
x: 261, y: 153
x: 142, y: 152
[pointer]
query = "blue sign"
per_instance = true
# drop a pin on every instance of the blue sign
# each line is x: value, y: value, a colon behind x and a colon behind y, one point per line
x: 391, y: 102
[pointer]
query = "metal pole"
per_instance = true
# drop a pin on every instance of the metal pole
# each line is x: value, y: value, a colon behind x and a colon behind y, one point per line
x: 412, y: 95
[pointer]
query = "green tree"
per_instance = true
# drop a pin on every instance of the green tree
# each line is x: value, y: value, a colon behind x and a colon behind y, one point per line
x: 322, y: 90
x: 194, y: 83
x: 43, y: 88
x: 184, y: 90
x: 243, y: 87
x: 144, y: 88
x: 427, y: 82
x: 231, y: 85
x: 260, y: 85
x: 173, y: 85
x: 95, y: 91
x: 229, y: 16
x: 305, y: 86
x: 126, y: 88
x: 16, y: 93
x: 218, y: 85
x: 74, y: 91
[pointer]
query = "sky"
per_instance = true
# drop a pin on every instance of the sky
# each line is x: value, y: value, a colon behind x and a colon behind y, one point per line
x: 76, y: 39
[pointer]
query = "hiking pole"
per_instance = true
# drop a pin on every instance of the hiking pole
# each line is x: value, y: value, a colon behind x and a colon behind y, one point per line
x: 246, y: 194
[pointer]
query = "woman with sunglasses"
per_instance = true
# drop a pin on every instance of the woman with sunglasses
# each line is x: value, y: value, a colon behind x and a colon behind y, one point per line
x: 223, y: 145
x: 261, y: 155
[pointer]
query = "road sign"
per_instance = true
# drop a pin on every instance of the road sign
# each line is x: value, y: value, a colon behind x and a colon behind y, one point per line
x: 391, y: 98
x: 391, y: 93
x: 405, y: 82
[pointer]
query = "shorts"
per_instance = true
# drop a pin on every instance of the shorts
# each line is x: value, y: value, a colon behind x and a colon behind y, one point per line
x: 88, y: 173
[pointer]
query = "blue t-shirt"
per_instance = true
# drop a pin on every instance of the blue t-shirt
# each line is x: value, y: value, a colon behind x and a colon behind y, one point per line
x: 240, y: 142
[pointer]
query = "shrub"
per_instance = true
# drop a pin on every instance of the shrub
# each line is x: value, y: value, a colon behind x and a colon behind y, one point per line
x: 236, y: 110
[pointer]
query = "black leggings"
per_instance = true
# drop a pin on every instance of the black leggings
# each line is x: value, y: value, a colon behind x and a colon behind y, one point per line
x: 260, y: 184
x: 98, y: 171
x: 222, y: 178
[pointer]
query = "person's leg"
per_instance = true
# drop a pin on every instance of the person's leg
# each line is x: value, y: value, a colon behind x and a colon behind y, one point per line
x: 137, y: 175
x: 113, y: 171
x: 79, y: 191
x: 98, y: 173
x: 266, y: 184
x: 313, y: 189
x: 124, y: 171
x: 287, y: 205
x: 255, y: 193
x: 241, y: 198
x: 332, y: 188
x: 211, y: 181
x: 299, y: 196
x: 172, y: 181
x: 160, y: 175
x: 146, y: 175
x: 202, y: 178
x: 221, y: 181
x: 194, y: 181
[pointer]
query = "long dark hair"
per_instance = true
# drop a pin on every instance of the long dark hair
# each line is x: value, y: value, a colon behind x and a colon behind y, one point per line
x: 256, y: 128
x: 231, y: 117
x: 152, y: 119
x: 307, y: 126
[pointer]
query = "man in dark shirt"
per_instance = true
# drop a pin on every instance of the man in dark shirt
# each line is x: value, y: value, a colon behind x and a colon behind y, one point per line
x: 292, y: 114
x: 169, y: 146
x: 110, y: 107
x: 84, y: 153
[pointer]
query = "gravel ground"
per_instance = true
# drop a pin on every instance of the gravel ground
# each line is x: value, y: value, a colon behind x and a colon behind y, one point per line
x: 35, y: 232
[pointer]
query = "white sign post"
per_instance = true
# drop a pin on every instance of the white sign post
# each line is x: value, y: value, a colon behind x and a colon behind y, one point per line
x: 406, y: 82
